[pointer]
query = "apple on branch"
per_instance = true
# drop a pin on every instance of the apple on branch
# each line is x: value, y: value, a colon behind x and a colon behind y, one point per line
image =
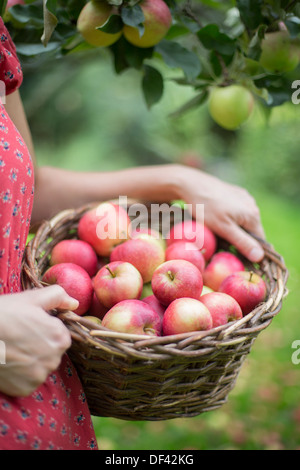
x: 117, y: 281
x: 175, y: 279
x: 280, y: 53
x: 157, y: 22
x: 93, y: 15
x: 247, y: 288
x: 133, y: 317
x: 230, y: 106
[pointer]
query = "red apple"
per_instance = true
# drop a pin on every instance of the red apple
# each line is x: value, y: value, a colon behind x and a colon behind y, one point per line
x: 223, y: 308
x: 221, y: 266
x: 175, y: 279
x: 97, y: 309
x: 188, y: 251
x: 93, y: 15
x: 155, y: 304
x: 76, y: 282
x: 145, y: 255
x: 104, y: 227
x: 247, y: 288
x: 77, y: 252
x: 158, y: 20
x: 194, y: 232
x: 117, y: 281
x: 11, y: 3
x: 133, y: 317
x: 186, y: 315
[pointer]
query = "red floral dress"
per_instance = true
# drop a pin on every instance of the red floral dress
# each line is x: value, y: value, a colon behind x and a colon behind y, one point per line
x: 56, y: 416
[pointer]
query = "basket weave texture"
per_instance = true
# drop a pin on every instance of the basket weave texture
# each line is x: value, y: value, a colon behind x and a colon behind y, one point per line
x: 135, y: 377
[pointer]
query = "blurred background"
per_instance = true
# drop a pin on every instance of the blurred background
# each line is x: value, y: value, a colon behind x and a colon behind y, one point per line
x: 84, y: 117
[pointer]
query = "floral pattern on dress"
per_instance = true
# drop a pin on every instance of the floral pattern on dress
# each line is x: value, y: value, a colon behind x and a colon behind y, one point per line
x: 56, y: 415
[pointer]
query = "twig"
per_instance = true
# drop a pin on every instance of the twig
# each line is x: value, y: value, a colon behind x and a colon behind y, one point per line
x: 188, y: 11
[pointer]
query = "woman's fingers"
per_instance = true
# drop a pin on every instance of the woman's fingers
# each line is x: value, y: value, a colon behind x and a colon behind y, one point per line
x: 52, y: 297
x: 245, y: 243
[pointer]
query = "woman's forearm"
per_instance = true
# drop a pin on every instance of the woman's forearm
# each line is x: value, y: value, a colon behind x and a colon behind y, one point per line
x: 58, y: 189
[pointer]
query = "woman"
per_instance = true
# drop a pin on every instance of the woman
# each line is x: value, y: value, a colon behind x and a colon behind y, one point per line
x: 42, y: 404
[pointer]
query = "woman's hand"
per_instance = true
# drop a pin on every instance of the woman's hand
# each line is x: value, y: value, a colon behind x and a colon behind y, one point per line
x: 34, y: 340
x: 229, y: 211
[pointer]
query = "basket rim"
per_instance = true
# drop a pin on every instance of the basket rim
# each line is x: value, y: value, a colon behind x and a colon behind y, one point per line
x: 235, y: 332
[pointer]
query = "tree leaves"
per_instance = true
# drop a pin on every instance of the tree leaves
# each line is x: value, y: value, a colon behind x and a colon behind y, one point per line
x: 3, y: 4
x: 214, y: 40
x: 175, y: 55
x: 152, y: 84
x: 251, y: 12
x: 204, y: 47
x: 50, y: 20
x: 113, y: 25
x: 134, y: 17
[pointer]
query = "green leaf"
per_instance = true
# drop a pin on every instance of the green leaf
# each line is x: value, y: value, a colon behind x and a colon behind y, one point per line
x: 27, y: 15
x: 116, y: 3
x: 254, y: 49
x: 293, y: 25
x: 3, y: 4
x: 113, y: 25
x: 153, y: 85
x: 50, y: 20
x: 250, y: 11
x: 213, y: 39
x: 132, y: 16
x: 126, y: 55
x: 177, y: 56
x: 31, y: 50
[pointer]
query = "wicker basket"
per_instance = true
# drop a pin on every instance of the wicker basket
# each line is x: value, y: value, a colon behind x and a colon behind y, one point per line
x: 134, y: 377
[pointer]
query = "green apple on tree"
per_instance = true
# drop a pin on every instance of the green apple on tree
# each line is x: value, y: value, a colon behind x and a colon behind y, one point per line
x: 230, y: 106
x: 93, y: 15
x: 279, y: 52
x: 158, y: 20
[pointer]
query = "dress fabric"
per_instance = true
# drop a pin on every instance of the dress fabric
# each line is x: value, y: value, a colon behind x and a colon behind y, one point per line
x: 56, y: 416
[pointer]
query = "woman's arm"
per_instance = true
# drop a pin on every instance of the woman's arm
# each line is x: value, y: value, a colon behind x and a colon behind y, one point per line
x: 230, y: 211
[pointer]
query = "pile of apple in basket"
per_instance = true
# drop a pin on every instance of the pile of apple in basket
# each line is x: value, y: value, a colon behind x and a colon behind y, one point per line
x: 135, y: 281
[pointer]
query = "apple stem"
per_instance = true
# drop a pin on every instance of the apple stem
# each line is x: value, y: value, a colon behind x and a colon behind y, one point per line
x: 110, y: 271
x: 171, y: 275
x: 251, y: 275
